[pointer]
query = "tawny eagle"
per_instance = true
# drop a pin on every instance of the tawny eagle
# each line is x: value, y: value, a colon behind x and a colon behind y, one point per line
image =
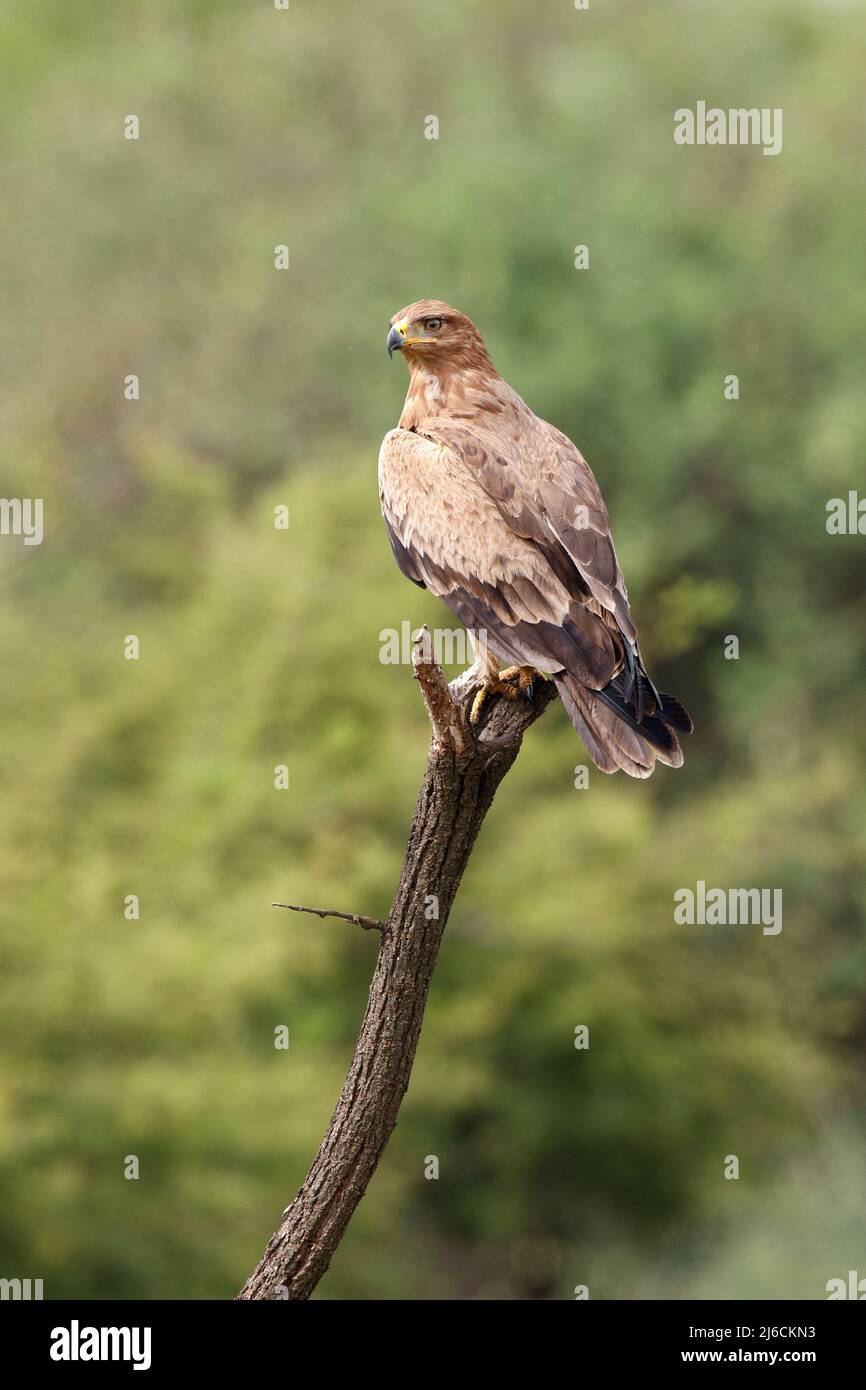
x: 497, y: 512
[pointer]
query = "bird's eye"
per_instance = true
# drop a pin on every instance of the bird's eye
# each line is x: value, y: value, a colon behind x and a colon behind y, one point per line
x: 432, y: 325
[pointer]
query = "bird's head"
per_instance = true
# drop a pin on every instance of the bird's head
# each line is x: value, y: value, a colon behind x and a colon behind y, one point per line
x: 433, y: 334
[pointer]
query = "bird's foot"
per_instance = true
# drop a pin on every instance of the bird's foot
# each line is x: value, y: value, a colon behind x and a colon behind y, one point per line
x: 512, y: 683
x: 520, y: 679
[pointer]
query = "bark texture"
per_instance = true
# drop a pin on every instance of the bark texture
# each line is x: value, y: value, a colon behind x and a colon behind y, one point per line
x: 464, y: 768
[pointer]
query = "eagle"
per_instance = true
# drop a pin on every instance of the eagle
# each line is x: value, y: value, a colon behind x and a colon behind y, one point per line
x: 497, y: 513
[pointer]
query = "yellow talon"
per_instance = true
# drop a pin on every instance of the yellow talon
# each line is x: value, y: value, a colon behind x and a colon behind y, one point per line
x: 478, y: 704
x: 510, y: 683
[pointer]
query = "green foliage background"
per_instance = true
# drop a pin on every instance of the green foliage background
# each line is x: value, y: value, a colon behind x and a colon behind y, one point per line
x: 258, y: 647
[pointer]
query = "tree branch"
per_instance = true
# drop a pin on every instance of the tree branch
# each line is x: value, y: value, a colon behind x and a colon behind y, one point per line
x: 464, y: 768
x: 368, y: 923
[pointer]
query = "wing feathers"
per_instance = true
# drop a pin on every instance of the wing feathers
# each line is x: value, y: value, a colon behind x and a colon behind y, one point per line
x: 515, y: 538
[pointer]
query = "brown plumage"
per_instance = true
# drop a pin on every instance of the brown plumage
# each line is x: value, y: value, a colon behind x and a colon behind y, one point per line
x: 497, y: 513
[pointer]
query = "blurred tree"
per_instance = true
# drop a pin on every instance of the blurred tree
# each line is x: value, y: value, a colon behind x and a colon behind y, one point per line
x: 154, y: 777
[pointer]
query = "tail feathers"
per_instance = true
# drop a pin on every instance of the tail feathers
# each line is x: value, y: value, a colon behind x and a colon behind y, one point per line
x: 672, y: 712
x: 621, y: 734
x: 634, y: 688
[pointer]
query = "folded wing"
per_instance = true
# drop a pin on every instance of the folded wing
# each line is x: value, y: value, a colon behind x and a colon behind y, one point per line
x: 515, y: 538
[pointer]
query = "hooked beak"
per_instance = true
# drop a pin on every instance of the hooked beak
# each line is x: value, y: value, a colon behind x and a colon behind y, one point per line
x: 397, y: 337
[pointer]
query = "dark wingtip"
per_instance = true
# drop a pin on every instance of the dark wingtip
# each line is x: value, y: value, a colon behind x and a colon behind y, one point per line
x: 672, y: 712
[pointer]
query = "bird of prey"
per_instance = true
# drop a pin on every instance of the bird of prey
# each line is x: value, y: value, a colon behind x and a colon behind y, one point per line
x: 497, y: 512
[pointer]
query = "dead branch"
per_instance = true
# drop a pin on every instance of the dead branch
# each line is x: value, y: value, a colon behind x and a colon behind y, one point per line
x: 464, y: 768
x: 368, y: 923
